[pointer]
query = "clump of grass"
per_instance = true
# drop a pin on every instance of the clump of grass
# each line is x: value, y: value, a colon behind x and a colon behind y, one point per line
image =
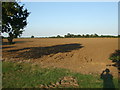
x: 26, y: 75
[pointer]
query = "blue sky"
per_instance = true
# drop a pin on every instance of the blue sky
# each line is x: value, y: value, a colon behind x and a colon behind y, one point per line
x: 60, y: 18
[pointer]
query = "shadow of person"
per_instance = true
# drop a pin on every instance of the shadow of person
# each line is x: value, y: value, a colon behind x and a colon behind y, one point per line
x: 107, y: 79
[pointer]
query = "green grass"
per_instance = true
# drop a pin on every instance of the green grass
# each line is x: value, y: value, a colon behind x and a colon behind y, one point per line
x: 26, y: 75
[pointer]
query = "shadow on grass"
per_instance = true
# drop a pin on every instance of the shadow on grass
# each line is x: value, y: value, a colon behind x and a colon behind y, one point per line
x: 37, y: 52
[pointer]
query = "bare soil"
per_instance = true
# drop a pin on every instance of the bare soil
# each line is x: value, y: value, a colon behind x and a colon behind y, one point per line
x: 84, y: 55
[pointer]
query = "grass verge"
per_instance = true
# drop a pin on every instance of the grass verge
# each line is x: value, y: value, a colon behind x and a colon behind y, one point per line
x: 26, y: 75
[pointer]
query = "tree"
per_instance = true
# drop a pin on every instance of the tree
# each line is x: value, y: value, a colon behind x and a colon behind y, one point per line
x: 95, y: 35
x: 91, y: 35
x: 87, y: 35
x: 69, y: 35
x: 14, y: 19
x: 83, y: 35
x: 32, y: 36
x: 118, y: 35
x: 58, y: 36
x: 79, y: 35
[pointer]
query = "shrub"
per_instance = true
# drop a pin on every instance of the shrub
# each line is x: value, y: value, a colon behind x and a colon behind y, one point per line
x: 115, y: 57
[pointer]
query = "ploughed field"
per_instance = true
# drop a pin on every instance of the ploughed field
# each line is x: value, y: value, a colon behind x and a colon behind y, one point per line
x: 84, y: 55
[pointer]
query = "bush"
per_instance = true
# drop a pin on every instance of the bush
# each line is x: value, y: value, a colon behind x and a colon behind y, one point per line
x: 115, y: 56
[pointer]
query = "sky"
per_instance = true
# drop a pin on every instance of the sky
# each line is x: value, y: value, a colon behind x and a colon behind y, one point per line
x: 60, y: 18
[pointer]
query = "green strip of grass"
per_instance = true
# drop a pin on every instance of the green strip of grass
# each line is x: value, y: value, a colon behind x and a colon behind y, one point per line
x: 26, y: 75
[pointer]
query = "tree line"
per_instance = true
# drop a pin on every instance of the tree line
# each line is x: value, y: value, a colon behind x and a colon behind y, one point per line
x: 69, y: 35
